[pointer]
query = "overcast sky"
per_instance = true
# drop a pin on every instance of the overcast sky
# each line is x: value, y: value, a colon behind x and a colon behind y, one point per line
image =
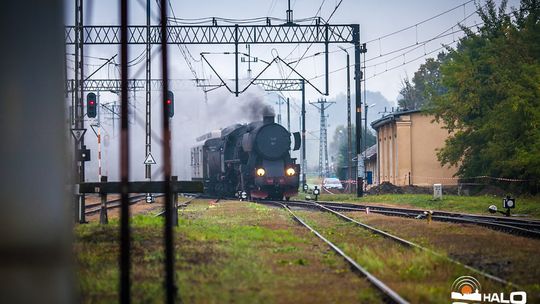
x: 376, y: 18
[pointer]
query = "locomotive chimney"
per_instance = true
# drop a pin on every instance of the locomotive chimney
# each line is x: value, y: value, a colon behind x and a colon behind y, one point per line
x: 268, y: 118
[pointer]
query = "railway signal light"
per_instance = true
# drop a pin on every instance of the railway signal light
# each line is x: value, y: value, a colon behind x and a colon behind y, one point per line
x: 509, y: 202
x: 91, y: 105
x: 169, y: 104
x: 83, y: 154
x: 316, y: 192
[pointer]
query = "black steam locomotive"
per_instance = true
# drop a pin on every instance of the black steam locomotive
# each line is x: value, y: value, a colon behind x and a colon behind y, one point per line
x: 252, y: 158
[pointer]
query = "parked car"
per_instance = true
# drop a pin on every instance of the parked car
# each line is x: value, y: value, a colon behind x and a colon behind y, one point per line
x: 332, y: 183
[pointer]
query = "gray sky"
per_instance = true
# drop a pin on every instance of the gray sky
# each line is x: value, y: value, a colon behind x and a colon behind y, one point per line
x: 376, y: 18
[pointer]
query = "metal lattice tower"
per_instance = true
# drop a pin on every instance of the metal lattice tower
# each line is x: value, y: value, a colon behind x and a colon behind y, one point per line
x: 322, y: 105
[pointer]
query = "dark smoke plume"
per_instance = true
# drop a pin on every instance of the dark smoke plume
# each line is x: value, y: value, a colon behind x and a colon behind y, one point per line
x: 255, y: 108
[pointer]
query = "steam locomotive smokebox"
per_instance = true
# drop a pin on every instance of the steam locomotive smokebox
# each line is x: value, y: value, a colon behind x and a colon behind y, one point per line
x: 268, y: 119
x: 272, y: 141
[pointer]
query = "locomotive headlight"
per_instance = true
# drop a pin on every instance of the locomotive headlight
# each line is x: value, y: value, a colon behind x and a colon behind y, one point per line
x: 261, y: 172
x: 290, y: 172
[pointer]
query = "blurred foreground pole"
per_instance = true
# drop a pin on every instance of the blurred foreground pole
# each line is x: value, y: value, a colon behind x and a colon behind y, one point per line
x: 35, y: 226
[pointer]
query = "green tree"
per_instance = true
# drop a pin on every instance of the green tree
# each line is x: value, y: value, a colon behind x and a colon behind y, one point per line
x: 424, y: 86
x: 492, y: 103
x: 339, y: 148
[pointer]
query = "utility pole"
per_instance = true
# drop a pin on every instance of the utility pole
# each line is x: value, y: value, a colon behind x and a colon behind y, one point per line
x: 288, y: 115
x: 358, y: 95
x: 148, y: 143
x: 349, y: 124
x: 322, y: 105
x: 303, y: 115
x: 99, y: 134
x: 365, y: 122
x: 79, y: 104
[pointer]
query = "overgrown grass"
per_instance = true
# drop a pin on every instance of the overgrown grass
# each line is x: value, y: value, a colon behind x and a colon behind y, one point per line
x: 235, y: 252
x: 416, y: 275
x: 513, y: 258
x: 469, y: 204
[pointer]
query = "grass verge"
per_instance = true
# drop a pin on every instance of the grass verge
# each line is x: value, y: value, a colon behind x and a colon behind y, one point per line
x: 513, y: 258
x: 417, y: 276
x: 233, y: 252
x: 467, y: 204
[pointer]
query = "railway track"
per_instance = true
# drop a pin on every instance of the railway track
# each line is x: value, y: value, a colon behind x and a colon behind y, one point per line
x: 115, y: 203
x: 183, y: 204
x: 390, y: 294
x: 528, y: 228
x: 410, y: 244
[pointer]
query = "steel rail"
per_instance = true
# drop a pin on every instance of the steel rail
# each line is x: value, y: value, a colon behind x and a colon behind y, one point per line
x: 495, y: 223
x: 381, y: 286
x: 116, y: 203
x: 89, y: 206
x: 414, y: 245
x: 185, y: 204
x: 505, y: 220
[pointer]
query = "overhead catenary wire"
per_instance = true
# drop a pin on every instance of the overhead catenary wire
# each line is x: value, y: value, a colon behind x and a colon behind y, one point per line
x: 419, y: 23
x: 405, y: 28
x: 414, y: 47
x: 182, y: 51
x: 445, y: 46
x: 311, y: 44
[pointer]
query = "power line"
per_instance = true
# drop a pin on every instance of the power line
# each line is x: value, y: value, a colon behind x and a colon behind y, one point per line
x: 182, y: 51
x: 271, y: 8
x: 311, y: 44
x: 398, y: 31
x: 419, y: 23
x: 335, y: 9
x: 412, y: 60
x: 416, y: 46
x: 436, y: 37
x: 423, y: 44
x: 477, y: 26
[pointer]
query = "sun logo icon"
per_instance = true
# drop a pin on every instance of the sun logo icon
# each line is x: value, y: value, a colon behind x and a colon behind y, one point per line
x: 466, y: 288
